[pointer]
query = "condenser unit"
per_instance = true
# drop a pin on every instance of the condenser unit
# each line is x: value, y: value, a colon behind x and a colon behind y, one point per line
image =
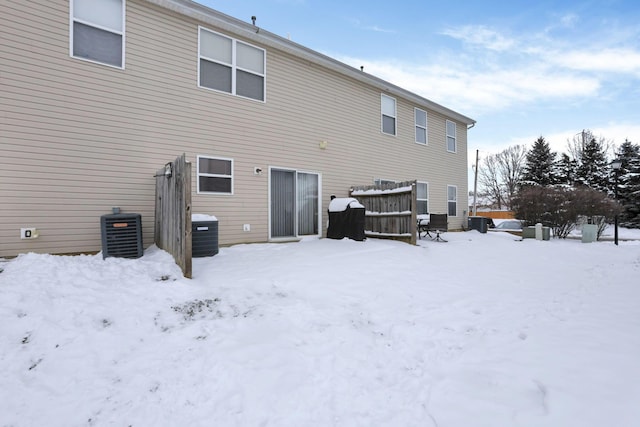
x: 204, y: 238
x: 121, y: 235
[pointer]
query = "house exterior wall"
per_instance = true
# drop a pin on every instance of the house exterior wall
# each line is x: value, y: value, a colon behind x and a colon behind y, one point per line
x: 79, y: 138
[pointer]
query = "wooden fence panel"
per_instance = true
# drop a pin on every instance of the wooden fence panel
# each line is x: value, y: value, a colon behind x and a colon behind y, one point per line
x: 173, y: 212
x: 390, y: 210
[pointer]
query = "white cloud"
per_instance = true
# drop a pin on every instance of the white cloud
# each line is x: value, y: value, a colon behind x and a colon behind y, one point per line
x: 378, y: 29
x: 569, y: 20
x: 358, y: 24
x: 502, y: 72
x: 622, y: 60
x: 481, y: 36
x: 470, y: 90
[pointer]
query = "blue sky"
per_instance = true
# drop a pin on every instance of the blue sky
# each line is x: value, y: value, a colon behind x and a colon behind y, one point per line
x: 521, y: 69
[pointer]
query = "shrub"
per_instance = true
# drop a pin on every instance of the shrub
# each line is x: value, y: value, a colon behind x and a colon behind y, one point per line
x: 560, y: 207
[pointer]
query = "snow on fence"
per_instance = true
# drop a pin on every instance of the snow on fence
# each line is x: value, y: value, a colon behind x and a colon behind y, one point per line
x: 173, y: 212
x: 390, y: 210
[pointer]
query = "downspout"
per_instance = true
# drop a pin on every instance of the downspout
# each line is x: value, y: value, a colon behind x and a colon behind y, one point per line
x: 475, y: 179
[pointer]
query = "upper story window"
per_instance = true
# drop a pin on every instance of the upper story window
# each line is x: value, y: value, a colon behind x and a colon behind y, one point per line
x: 388, y: 107
x: 421, y: 126
x: 231, y: 66
x: 97, y: 31
x: 422, y: 193
x: 451, y: 136
x: 215, y: 175
x: 452, y: 200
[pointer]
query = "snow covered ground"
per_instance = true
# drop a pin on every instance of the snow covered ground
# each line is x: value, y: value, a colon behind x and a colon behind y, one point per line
x: 484, y: 330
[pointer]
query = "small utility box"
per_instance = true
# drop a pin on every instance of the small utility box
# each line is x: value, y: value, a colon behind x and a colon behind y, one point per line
x: 204, y: 235
x: 589, y: 233
x: 530, y: 233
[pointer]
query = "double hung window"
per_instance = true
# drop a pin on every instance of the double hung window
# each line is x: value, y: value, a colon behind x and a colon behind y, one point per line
x: 215, y: 175
x: 231, y: 66
x: 388, y: 107
x: 421, y: 126
x: 423, y: 198
x: 452, y: 200
x: 97, y: 31
x: 451, y: 136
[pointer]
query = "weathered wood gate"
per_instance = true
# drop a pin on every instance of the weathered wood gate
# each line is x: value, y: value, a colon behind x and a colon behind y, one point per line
x: 390, y: 210
x: 173, y: 212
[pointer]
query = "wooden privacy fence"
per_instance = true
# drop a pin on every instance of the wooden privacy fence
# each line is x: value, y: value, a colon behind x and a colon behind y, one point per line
x: 497, y: 214
x: 173, y: 212
x: 390, y: 210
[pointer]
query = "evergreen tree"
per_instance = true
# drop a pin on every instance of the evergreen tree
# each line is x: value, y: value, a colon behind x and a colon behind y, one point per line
x: 539, y: 165
x: 565, y: 170
x: 593, y: 169
x: 629, y: 184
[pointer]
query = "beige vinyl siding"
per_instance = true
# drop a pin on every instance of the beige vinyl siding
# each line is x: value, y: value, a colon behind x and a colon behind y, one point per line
x: 79, y: 138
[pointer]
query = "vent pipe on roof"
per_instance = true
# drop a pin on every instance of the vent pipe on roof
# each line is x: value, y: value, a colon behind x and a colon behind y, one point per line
x: 253, y: 19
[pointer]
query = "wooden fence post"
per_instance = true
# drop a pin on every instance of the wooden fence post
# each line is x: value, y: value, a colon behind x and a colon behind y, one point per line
x: 173, y: 212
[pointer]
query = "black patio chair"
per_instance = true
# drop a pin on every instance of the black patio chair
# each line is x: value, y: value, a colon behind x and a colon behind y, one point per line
x: 438, y: 223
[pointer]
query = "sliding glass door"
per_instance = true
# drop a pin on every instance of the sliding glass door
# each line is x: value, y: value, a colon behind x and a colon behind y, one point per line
x: 294, y: 203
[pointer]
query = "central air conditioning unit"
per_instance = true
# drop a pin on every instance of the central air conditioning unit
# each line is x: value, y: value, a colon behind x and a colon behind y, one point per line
x: 121, y: 235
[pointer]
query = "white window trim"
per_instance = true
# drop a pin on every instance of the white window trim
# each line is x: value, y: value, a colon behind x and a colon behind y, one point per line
x: 121, y: 33
x: 213, y: 175
x: 454, y: 136
x: 426, y: 134
x: 456, y: 199
x: 234, y: 67
x: 427, y: 199
x: 395, y: 115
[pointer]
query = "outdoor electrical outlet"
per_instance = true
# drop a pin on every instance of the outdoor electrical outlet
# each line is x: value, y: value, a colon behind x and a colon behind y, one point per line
x: 246, y: 227
x: 28, y: 233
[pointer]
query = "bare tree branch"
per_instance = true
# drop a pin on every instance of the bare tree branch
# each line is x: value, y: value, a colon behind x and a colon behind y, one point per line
x: 500, y: 174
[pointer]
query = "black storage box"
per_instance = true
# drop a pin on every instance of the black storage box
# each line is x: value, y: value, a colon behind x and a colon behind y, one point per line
x: 346, y: 219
